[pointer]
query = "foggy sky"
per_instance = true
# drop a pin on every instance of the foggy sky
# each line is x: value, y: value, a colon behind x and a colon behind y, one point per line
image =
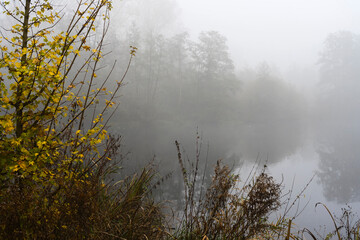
x: 281, y: 32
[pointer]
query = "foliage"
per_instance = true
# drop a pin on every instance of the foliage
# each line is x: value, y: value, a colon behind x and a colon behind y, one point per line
x: 55, y: 150
x: 43, y: 102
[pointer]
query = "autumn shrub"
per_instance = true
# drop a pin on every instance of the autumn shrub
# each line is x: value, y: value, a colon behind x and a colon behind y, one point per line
x: 56, y: 154
x: 226, y: 210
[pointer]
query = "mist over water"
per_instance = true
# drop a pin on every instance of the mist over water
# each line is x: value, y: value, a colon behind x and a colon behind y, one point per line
x: 276, y: 82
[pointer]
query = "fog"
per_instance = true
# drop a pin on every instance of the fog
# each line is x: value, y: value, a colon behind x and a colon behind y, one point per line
x: 282, y: 32
x: 275, y: 82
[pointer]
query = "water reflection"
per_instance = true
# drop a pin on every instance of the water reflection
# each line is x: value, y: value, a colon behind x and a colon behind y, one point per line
x: 272, y: 118
x: 339, y: 172
x: 340, y: 160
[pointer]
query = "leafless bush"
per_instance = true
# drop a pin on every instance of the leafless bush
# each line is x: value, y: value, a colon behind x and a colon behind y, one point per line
x: 226, y: 211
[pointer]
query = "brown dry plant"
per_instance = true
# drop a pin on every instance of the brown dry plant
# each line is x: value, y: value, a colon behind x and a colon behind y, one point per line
x: 226, y: 211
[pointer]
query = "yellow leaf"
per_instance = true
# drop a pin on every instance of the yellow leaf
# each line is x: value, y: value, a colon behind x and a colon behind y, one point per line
x: 22, y: 165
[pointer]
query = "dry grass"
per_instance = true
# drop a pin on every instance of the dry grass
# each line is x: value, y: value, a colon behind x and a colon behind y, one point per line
x: 225, y: 211
x: 346, y: 226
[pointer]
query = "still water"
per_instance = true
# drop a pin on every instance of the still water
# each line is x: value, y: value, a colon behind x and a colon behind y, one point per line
x: 310, y: 172
x: 293, y: 156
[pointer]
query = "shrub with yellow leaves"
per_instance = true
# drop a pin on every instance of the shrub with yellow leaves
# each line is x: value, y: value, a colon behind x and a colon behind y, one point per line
x: 54, y: 146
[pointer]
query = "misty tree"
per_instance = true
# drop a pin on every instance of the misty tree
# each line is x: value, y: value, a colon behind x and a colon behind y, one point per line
x: 162, y: 98
x: 177, y: 60
x: 340, y: 75
x: 160, y: 101
x: 340, y: 59
x: 211, y: 60
x: 210, y: 55
x: 214, y: 80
